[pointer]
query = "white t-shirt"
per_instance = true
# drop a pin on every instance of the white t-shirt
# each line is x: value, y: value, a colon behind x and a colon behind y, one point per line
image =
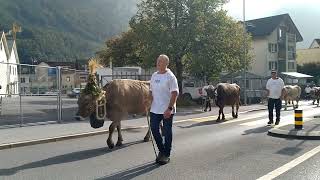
x: 275, y: 87
x: 161, y: 86
x: 307, y: 90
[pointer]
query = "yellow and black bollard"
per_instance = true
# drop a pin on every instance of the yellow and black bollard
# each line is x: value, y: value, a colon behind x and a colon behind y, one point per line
x: 298, y: 119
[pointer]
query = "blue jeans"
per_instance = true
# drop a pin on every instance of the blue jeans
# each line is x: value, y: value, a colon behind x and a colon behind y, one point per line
x: 271, y: 104
x: 155, y: 120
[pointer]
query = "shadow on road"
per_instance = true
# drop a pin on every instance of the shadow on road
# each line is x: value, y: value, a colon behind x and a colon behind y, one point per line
x: 65, y: 158
x: 132, y: 172
x: 291, y: 151
x: 258, y: 130
x: 205, y: 123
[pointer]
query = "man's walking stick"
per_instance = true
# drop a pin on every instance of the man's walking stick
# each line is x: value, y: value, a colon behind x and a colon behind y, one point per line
x: 154, y: 149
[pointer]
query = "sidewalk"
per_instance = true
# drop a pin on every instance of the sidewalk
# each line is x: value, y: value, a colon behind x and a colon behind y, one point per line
x: 311, y: 129
x: 30, y: 135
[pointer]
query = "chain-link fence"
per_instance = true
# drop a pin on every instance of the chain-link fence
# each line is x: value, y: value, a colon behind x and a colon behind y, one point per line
x: 72, y: 82
x: 34, y: 94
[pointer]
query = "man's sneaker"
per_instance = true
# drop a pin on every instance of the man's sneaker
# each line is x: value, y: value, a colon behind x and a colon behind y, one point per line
x: 163, y: 160
x: 270, y: 122
x: 277, y: 122
x: 159, y: 157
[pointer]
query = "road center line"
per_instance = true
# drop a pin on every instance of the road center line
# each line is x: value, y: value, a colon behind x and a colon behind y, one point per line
x: 277, y: 172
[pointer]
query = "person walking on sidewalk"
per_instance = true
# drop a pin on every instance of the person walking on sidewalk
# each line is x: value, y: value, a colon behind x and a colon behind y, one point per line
x: 307, y: 90
x: 275, y: 90
x: 164, y: 89
x: 208, y: 99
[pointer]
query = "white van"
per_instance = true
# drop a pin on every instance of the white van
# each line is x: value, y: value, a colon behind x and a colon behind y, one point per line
x: 193, y: 90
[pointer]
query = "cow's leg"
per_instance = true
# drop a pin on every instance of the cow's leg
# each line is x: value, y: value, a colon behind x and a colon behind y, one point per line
x: 148, y: 135
x: 111, y: 129
x: 120, y: 139
x: 218, y: 119
x: 294, y: 107
x: 318, y: 102
x: 223, y: 118
x: 237, y: 109
x: 233, y: 114
x: 285, y: 104
x: 297, y: 103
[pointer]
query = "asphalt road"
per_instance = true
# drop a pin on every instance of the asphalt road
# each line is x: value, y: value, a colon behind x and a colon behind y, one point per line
x: 202, y: 149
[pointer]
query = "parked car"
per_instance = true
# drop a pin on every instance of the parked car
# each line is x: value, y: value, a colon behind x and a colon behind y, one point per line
x: 51, y: 93
x: 75, y: 92
x: 193, y: 90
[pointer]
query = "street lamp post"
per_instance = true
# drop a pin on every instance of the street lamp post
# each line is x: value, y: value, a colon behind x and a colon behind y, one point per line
x: 244, y: 51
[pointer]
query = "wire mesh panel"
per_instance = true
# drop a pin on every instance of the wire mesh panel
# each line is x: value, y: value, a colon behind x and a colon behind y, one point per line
x: 39, y: 92
x: 72, y: 83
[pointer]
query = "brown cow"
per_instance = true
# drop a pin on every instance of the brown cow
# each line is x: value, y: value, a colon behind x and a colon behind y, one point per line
x: 292, y: 93
x: 226, y: 94
x: 122, y: 97
x: 315, y: 95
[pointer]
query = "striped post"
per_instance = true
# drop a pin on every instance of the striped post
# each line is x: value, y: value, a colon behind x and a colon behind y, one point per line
x: 298, y: 119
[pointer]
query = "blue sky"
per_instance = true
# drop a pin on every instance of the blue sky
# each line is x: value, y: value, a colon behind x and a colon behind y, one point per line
x: 304, y: 13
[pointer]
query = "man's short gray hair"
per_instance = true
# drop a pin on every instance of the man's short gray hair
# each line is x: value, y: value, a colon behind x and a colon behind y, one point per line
x: 164, y: 57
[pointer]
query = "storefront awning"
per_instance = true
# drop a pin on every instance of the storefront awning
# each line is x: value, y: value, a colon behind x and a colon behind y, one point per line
x: 297, y: 75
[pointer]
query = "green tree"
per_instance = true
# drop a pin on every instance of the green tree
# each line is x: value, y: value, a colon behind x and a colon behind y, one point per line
x: 122, y: 50
x: 311, y: 69
x: 197, y: 35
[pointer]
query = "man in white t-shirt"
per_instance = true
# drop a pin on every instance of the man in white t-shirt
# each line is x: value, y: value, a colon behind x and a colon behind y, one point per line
x: 275, y: 89
x: 164, y: 89
x: 307, y: 91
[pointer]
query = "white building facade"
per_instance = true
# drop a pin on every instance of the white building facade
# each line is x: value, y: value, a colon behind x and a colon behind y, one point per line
x: 9, y: 60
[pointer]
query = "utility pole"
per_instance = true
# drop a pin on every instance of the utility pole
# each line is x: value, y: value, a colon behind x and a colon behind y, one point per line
x: 244, y: 51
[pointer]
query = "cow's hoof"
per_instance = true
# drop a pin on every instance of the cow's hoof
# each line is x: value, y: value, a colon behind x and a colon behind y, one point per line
x: 236, y: 116
x: 218, y: 120
x: 119, y: 143
x: 110, y: 144
x: 146, y: 139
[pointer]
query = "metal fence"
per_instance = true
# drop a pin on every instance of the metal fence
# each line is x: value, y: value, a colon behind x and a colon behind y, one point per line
x: 255, y: 88
x: 35, y: 94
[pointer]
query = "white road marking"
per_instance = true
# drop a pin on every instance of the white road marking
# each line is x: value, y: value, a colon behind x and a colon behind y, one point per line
x: 277, y: 172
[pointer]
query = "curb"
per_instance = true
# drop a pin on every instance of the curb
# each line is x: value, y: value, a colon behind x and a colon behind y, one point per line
x: 81, y: 135
x: 294, y: 134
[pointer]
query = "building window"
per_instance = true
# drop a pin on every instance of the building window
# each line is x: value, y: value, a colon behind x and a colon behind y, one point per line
x: 68, y: 79
x: 291, y: 52
x: 273, y: 65
x: 291, y: 65
x: 280, y: 33
x: 273, y: 48
x: 22, y: 80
